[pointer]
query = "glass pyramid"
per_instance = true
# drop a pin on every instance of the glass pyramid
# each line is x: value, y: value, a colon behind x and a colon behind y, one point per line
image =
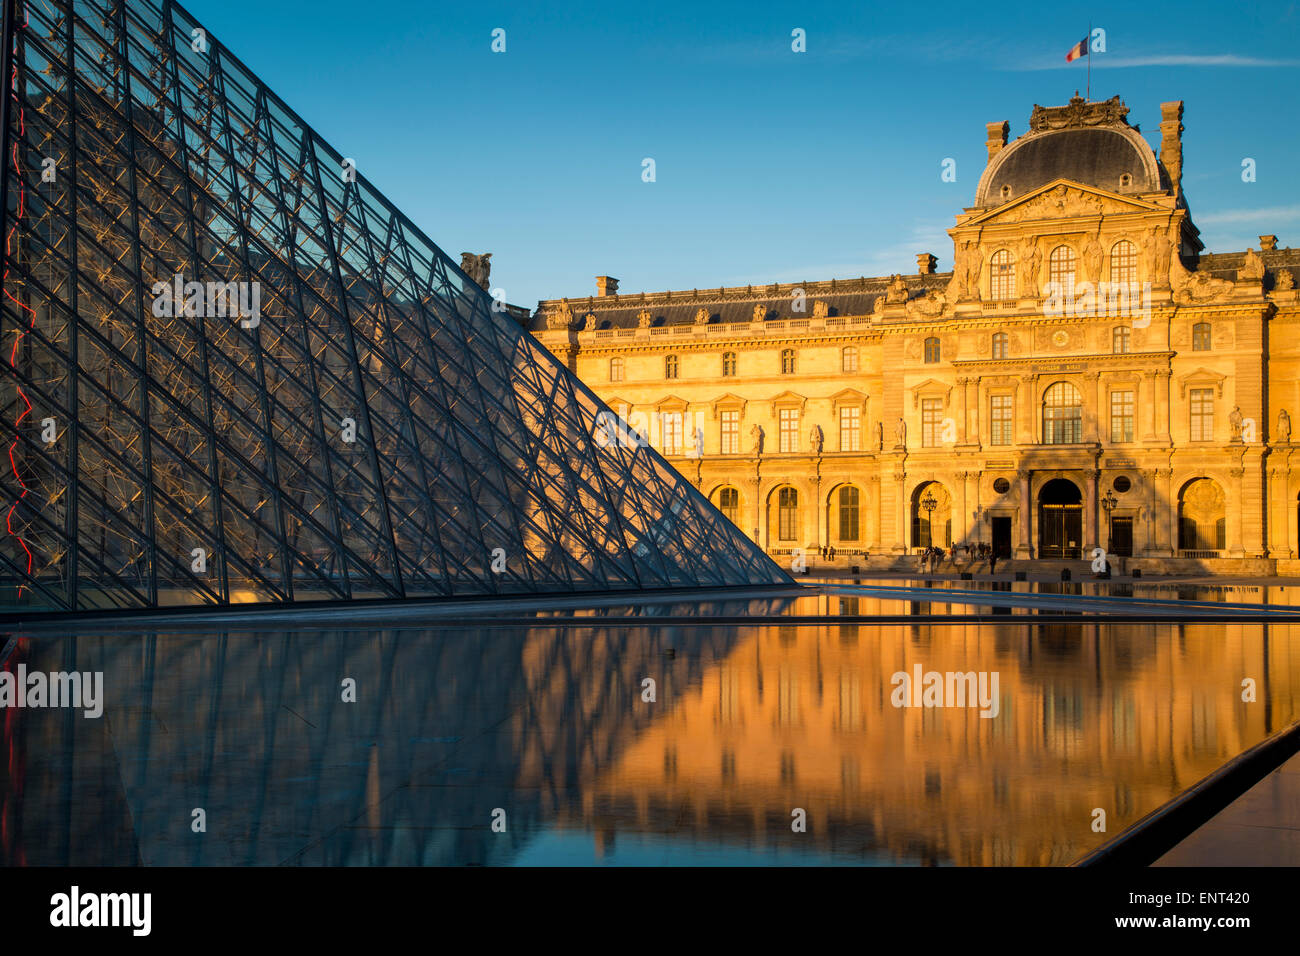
x: 233, y: 372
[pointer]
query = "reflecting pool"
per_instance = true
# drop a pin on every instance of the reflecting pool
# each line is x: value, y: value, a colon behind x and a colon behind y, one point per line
x: 474, y: 742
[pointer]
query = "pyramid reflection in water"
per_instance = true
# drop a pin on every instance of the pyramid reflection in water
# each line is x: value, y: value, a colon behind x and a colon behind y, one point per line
x: 238, y: 374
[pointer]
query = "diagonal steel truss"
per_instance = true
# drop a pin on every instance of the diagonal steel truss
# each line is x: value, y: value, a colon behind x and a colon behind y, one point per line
x: 372, y: 429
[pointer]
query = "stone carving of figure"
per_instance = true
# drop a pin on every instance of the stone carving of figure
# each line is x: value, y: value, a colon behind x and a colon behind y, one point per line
x: 1234, y: 422
x: 476, y: 267
x: 896, y: 291
x: 820, y: 309
x: 760, y: 313
x: 974, y: 261
x: 880, y: 436
x: 643, y: 319
x: 1092, y: 253
x: 1284, y: 281
x: 1158, y: 258
x: 1030, y: 262
x: 816, y: 439
x: 1252, y: 267
x: 756, y: 433
x: 701, y: 316
x: 697, y: 443
x: 562, y: 318
x: 900, y: 434
x: 590, y: 324
x: 1283, y: 426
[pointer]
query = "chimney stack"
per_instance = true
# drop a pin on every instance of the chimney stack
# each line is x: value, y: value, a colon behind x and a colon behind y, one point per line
x: 926, y: 263
x: 998, y: 133
x: 1267, y: 243
x: 606, y: 285
x: 1171, y: 143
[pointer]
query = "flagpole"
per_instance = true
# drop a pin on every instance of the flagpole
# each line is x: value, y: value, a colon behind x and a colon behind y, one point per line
x: 1087, y: 93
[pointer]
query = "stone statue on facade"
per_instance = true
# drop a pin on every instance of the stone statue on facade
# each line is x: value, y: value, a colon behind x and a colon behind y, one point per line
x: 701, y: 316
x: 816, y: 439
x: 896, y: 291
x: 476, y: 267
x: 1283, y: 281
x: 900, y: 434
x: 820, y: 309
x: 1252, y: 267
x: 643, y: 319
x: 589, y: 325
x: 562, y: 318
x: 1092, y: 256
x: 1283, y: 426
x: 1031, y: 260
x: 756, y: 435
x: 760, y: 313
x: 1234, y: 422
x: 974, y: 262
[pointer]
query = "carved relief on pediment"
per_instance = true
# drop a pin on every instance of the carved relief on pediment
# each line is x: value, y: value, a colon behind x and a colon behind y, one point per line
x: 1063, y: 202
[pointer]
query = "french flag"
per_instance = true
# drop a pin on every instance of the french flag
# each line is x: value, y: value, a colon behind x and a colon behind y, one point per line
x: 1078, y: 50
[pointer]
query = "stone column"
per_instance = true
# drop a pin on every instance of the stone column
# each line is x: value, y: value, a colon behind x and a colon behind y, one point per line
x: 1092, y: 431
x: 973, y: 436
x: 1026, y: 427
x: 874, y: 510
x: 1090, y: 516
x: 819, y: 513
x: 1236, y: 505
x: 1150, y: 403
x: 1161, y: 401
x: 1025, y: 545
x: 1167, y: 515
x: 963, y: 420
x: 1152, y: 524
x: 1278, y: 532
x: 963, y: 515
x: 900, y: 511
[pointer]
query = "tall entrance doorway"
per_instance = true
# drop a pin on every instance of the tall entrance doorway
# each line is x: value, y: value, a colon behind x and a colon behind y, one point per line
x: 1060, y: 520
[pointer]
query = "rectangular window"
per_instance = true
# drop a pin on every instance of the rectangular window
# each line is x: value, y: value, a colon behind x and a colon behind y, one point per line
x: 1002, y: 417
x: 1202, y: 414
x: 931, y: 411
x: 1121, y: 416
x: 731, y: 432
x: 850, y: 429
x: 671, y: 424
x: 789, y: 419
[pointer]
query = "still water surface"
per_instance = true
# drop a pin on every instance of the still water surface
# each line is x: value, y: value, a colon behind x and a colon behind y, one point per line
x: 455, y: 723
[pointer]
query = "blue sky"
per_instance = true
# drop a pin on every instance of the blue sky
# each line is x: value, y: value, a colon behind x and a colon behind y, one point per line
x: 771, y: 165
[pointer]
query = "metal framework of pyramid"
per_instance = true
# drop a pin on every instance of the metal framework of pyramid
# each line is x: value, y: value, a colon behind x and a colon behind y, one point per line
x: 349, y: 419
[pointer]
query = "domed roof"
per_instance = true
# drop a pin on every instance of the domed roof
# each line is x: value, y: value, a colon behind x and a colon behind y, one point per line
x: 1086, y: 143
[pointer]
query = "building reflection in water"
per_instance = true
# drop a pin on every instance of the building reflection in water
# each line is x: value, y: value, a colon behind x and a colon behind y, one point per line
x: 549, y: 725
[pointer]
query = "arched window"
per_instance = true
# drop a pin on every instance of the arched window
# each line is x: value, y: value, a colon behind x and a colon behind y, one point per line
x: 848, y: 359
x: 931, y: 350
x: 616, y: 369
x: 1062, y: 415
x: 1121, y: 338
x: 728, y: 364
x: 850, y: 505
x: 1060, y: 268
x: 787, y: 361
x: 1001, y: 345
x: 1002, y: 269
x: 670, y: 366
x: 787, y: 509
x: 1123, y: 263
x: 729, y: 503
x: 1201, y: 337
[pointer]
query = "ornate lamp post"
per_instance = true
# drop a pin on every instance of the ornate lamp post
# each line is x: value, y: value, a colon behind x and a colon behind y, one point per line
x: 929, y: 504
x: 1108, y: 503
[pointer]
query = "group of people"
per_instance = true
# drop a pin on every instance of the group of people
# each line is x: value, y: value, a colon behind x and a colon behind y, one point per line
x: 933, y: 556
x: 828, y: 552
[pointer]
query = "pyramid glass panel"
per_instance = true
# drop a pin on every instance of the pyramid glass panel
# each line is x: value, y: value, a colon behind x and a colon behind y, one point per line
x: 233, y: 372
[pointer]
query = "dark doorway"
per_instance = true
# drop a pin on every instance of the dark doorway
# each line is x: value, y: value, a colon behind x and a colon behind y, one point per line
x: 1121, y: 537
x: 1002, y: 537
x: 1060, y: 520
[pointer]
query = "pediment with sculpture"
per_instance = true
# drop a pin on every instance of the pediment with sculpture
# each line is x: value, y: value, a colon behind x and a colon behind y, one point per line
x: 1062, y: 199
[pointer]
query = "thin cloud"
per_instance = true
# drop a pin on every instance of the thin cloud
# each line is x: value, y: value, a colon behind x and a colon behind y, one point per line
x: 1169, y: 59
x: 1270, y: 214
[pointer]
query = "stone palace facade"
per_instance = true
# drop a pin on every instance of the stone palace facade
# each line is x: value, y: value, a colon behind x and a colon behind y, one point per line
x: 1086, y: 376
